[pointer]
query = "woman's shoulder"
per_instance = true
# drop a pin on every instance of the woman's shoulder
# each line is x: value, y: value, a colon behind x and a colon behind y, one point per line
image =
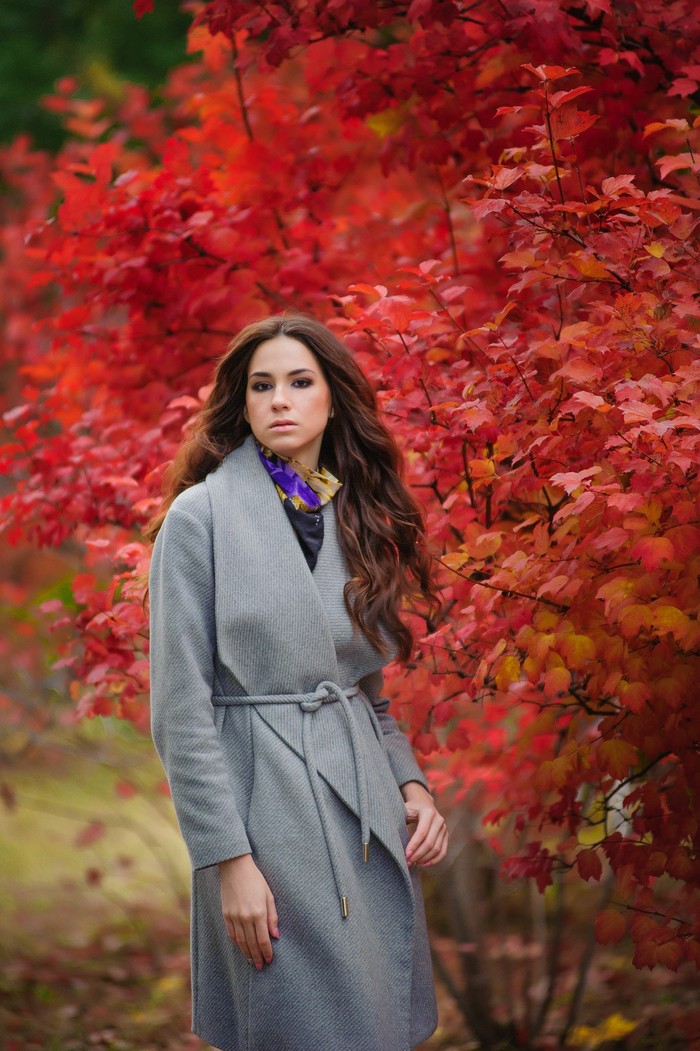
x: 192, y: 502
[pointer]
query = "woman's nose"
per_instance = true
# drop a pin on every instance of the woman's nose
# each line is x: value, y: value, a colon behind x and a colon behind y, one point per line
x: 279, y: 398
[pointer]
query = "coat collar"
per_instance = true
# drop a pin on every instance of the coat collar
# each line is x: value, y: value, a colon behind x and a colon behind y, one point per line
x: 272, y: 627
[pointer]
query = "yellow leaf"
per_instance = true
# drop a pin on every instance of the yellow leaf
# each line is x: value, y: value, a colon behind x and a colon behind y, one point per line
x: 617, y: 1026
x: 508, y: 672
x: 589, y: 835
x: 669, y: 618
x: 577, y: 650
x: 656, y: 248
x: 544, y: 620
x: 597, y: 830
x: 614, y: 1028
x: 387, y: 121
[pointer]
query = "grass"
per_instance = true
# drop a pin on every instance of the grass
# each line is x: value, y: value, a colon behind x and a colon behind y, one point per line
x: 94, y: 894
x: 92, y: 826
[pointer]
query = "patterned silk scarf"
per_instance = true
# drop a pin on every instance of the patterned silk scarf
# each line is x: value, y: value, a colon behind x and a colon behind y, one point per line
x: 302, y: 492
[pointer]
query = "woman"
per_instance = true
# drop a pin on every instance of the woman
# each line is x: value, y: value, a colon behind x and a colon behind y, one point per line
x: 285, y: 549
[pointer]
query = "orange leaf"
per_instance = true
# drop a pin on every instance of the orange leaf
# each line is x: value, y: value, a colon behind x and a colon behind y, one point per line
x: 577, y: 650
x: 634, y: 695
x: 634, y: 619
x: 481, y: 469
x: 557, y: 681
x: 670, y: 619
x: 590, y: 267
x: 617, y: 757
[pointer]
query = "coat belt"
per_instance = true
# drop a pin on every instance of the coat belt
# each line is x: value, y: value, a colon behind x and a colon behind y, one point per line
x: 325, y: 693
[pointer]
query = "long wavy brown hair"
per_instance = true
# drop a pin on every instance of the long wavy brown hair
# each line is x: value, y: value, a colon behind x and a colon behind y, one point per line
x: 381, y: 525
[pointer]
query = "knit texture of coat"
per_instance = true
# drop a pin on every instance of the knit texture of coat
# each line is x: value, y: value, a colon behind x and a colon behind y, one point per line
x: 235, y: 611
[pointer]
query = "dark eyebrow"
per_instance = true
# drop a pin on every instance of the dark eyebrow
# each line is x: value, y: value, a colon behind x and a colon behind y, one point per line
x: 294, y: 372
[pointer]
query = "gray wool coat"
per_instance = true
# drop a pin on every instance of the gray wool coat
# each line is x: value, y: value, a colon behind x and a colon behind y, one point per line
x: 235, y: 613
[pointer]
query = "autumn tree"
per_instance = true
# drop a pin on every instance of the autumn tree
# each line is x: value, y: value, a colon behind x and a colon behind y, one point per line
x: 496, y: 205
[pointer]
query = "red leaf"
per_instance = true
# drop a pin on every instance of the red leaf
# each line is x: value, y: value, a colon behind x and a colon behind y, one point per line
x: 653, y: 551
x: 549, y: 72
x: 90, y: 834
x: 425, y: 743
x: 567, y: 122
x: 610, y: 927
x: 589, y: 864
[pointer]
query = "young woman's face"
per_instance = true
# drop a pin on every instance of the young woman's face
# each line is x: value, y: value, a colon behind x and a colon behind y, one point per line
x: 287, y: 399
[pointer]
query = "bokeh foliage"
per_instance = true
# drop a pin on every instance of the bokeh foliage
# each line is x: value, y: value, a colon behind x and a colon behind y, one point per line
x: 99, y: 41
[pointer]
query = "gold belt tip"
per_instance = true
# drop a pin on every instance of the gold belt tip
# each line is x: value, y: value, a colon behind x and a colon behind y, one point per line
x: 365, y: 851
x: 344, y: 907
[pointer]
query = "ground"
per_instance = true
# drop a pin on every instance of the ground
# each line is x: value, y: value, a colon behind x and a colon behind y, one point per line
x: 93, y: 895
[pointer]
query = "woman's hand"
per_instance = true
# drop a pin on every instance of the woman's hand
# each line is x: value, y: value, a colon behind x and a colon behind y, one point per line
x: 428, y: 844
x: 249, y: 908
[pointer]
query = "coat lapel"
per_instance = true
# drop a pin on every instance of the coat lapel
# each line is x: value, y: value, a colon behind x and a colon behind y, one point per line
x: 272, y: 627
x: 273, y: 631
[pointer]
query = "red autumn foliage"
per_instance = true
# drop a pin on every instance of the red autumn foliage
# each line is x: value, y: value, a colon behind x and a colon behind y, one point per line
x: 511, y: 247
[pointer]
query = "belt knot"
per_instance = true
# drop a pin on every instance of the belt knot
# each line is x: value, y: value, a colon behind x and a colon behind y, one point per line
x: 329, y: 692
x: 312, y: 704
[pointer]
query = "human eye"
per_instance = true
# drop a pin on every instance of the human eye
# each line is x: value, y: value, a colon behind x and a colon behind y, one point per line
x: 260, y: 385
x: 303, y: 382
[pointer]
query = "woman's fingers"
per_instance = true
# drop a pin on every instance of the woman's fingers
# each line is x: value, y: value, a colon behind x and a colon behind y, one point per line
x: 239, y: 937
x: 272, y: 918
x: 428, y: 839
x: 416, y: 841
x: 260, y: 935
x: 248, y: 908
x: 253, y: 939
x: 439, y: 850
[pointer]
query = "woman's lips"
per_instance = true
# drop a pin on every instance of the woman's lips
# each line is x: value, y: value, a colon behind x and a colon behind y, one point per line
x: 282, y: 425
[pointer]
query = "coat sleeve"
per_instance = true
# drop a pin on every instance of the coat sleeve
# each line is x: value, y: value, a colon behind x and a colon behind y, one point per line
x: 402, y: 761
x: 183, y: 641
